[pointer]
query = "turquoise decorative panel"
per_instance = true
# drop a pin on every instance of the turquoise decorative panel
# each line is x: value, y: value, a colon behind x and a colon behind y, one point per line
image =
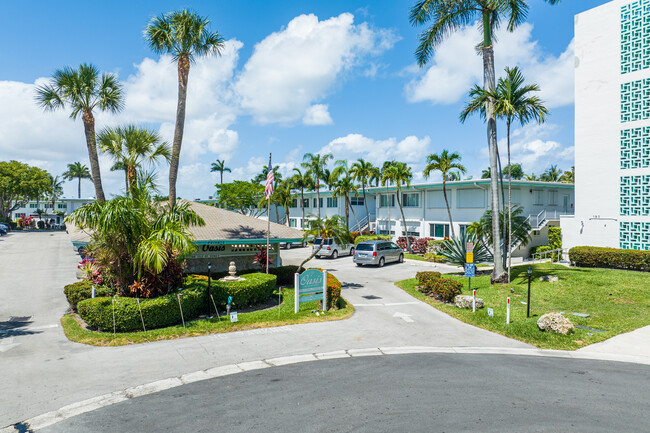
x: 635, y: 148
x: 635, y: 36
x: 634, y: 235
x: 635, y: 195
x: 635, y: 100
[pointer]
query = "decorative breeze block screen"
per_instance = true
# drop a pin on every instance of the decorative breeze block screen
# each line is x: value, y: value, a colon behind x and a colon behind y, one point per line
x: 635, y: 148
x: 635, y: 36
x: 635, y: 195
x: 635, y: 100
x: 634, y: 235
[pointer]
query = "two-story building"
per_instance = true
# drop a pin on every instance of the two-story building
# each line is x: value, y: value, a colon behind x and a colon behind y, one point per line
x: 62, y: 208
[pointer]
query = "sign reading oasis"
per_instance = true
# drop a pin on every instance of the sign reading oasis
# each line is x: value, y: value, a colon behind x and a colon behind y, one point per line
x: 311, y: 285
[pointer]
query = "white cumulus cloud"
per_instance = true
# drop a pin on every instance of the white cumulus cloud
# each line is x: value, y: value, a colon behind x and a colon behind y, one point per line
x: 353, y: 146
x: 317, y: 114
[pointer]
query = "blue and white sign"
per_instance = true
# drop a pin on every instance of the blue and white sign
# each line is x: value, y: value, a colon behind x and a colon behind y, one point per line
x: 311, y: 285
x: 470, y: 270
x: 233, y: 316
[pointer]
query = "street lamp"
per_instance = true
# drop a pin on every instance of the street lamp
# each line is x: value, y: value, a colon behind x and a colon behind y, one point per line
x: 530, y: 273
x: 209, y: 292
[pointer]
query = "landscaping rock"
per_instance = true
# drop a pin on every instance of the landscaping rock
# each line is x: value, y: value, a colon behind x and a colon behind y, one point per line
x: 549, y: 278
x: 464, y: 301
x: 555, y: 322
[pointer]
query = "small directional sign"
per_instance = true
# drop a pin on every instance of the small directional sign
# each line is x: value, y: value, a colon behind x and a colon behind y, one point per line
x: 470, y: 270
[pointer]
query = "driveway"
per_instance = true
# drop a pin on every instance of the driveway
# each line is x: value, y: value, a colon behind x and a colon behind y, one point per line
x: 43, y: 371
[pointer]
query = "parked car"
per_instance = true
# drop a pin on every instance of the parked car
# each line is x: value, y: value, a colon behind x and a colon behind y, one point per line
x: 3, y: 230
x: 5, y: 227
x: 377, y: 253
x: 289, y: 245
x: 331, y: 248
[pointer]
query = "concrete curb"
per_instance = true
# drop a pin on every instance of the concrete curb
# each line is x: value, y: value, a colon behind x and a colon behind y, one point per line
x: 89, y: 405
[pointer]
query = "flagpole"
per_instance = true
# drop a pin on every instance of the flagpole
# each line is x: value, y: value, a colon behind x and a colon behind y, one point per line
x: 268, y: 220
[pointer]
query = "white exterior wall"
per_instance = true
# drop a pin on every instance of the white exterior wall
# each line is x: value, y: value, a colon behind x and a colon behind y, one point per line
x: 295, y: 213
x: 71, y: 204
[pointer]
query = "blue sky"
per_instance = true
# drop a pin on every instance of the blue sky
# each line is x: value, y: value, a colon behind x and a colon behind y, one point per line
x: 295, y: 77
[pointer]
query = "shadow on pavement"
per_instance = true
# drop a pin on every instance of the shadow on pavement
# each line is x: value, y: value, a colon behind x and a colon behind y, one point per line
x: 13, y: 328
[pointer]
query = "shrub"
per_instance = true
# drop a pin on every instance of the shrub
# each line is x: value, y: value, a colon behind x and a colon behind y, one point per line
x: 364, y: 238
x: 82, y: 290
x: 157, y: 312
x: 285, y: 274
x: 333, y: 290
x: 355, y: 235
x: 418, y: 245
x: 436, y: 258
x: 436, y: 246
x: 597, y: 257
x: 426, y: 279
x: 256, y: 288
x: 434, y: 284
x: 555, y: 241
x: 455, y: 249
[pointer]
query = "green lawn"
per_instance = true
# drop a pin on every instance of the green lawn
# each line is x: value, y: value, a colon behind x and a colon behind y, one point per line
x: 617, y: 301
x: 253, y: 320
x: 414, y: 257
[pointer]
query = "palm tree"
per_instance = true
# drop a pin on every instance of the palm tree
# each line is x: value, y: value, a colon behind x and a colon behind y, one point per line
x: 83, y: 90
x: 220, y: 166
x: 447, y: 16
x: 76, y: 170
x: 131, y: 146
x: 520, y: 226
x: 531, y: 176
x: 119, y: 165
x: 261, y: 176
x: 316, y: 164
x: 569, y: 176
x: 301, y: 182
x: 185, y: 35
x: 364, y: 172
x: 55, y: 190
x: 329, y: 228
x: 342, y: 183
x: 444, y: 163
x: 284, y: 198
x: 485, y: 174
x: 552, y: 174
x: 515, y: 172
x: 400, y: 174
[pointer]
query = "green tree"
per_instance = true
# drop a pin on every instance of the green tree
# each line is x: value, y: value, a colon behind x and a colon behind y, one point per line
x: 569, y: 176
x: 131, y: 146
x: 261, y: 176
x: 54, y: 190
x: 83, y: 90
x: 315, y: 165
x: 20, y: 183
x: 552, y: 174
x: 520, y: 226
x: 302, y: 182
x: 444, y: 17
x: 444, y: 163
x: 329, y: 228
x: 364, y: 173
x: 220, y: 166
x: 185, y: 35
x: 531, y: 176
x: 79, y: 171
x: 343, y: 185
x: 284, y: 198
x: 241, y: 196
x: 515, y: 171
x: 485, y: 174
x: 401, y: 175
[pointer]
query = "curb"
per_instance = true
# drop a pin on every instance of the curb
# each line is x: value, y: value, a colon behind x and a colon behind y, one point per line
x: 89, y: 405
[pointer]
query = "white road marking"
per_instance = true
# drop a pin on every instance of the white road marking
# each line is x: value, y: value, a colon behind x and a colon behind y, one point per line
x: 389, y: 304
x: 8, y: 344
x: 404, y: 317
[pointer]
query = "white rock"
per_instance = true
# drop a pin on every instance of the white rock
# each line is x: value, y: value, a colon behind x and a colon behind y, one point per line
x: 464, y: 301
x: 555, y: 322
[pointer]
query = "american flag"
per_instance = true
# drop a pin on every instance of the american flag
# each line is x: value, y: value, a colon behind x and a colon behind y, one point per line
x: 268, y: 191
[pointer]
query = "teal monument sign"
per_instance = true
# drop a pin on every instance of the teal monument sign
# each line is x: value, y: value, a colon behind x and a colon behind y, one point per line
x: 311, y: 285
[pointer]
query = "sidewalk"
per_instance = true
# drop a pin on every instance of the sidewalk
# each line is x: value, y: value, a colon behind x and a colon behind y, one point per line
x: 634, y: 343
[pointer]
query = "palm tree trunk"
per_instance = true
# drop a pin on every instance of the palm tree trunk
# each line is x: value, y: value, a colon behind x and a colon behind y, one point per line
x: 489, y: 84
x: 302, y: 205
x: 277, y: 214
x: 444, y: 193
x: 406, y: 231
x: 89, y: 129
x: 503, y: 200
x: 183, y: 74
x: 221, y: 172
x: 79, y: 188
x: 388, y: 205
x: 318, y: 197
x: 130, y: 179
x: 300, y: 268
x: 509, y: 203
x: 286, y: 211
x: 365, y: 202
x: 347, y: 212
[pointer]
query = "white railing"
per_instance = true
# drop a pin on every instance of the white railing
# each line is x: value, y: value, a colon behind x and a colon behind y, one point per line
x: 545, y: 254
x: 361, y: 225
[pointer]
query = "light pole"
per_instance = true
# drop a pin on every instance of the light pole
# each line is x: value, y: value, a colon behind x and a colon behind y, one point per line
x: 530, y: 273
x: 209, y: 291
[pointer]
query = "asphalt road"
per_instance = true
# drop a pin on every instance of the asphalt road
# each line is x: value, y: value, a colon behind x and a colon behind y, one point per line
x: 398, y: 393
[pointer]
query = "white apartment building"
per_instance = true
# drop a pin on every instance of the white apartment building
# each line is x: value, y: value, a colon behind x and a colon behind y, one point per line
x: 62, y: 208
x: 612, y: 127
x: 331, y: 206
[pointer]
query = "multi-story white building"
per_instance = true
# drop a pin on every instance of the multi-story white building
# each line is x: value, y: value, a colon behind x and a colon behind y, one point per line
x: 612, y: 127
x: 331, y: 206
x: 62, y: 208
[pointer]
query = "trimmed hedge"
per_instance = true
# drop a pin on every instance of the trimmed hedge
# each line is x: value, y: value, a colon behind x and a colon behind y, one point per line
x: 598, y: 257
x: 82, y: 290
x: 157, y: 312
x: 285, y: 274
x: 436, y: 258
x: 371, y: 238
x: 255, y: 289
x: 435, y: 285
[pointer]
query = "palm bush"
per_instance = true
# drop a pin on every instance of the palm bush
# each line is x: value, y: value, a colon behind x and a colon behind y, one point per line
x: 455, y: 251
x: 520, y: 226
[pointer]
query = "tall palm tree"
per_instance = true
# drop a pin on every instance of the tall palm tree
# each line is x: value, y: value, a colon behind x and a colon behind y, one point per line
x: 83, y: 90
x: 364, y: 172
x: 342, y: 183
x: 261, y: 176
x: 79, y: 171
x: 316, y: 164
x: 132, y: 146
x: 401, y: 175
x: 55, y: 190
x: 552, y: 174
x: 444, y: 163
x: 447, y: 16
x: 185, y: 35
x: 284, y: 198
x: 569, y: 176
x: 329, y: 228
x: 302, y: 182
x: 220, y: 166
x: 386, y: 182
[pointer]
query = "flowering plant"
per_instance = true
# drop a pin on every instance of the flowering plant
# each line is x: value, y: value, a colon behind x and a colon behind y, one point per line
x: 91, y: 270
x: 260, y: 259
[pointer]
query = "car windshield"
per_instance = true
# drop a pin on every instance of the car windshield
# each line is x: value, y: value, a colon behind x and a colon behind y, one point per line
x: 319, y: 240
x: 364, y: 247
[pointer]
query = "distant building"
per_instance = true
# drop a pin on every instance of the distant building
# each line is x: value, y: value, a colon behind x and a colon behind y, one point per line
x: 62, y: 208
x: 612, y: 127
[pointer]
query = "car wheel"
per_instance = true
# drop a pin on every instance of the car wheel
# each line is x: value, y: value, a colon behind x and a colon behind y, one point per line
x: 351, y: 251
x: 381, y: 262
x: 359, y: 264
x: 401, y: 258
x: 335, y: 254
x: 288, y: 245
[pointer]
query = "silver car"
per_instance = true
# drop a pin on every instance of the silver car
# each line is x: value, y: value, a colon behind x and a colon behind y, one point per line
x: 377, y: 253
x: 331, y: 248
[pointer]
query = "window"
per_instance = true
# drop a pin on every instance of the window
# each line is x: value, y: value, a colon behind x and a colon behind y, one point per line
x: 356, y: 201
x: 294, y: 203
x: 439, y: 230
x: 463, y: 229
x: 332, y: 202
x: 61, y: 206
x: 436, y: 200
x: 383, y: 200
x: 293, y: 222
x: 552, y: 197
x: 305, y: 203
x: 320, y: 202
x: 538, y: 197
x: 471, y: 198
x: 32, y: 205
x: 411, y: 200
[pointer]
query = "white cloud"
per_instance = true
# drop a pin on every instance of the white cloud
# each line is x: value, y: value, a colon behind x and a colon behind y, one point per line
x: 296, y: 66
x: 456, y: 66
x: 317, y: 114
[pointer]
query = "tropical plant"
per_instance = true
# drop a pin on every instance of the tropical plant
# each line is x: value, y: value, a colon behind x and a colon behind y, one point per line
x: 241, y: 196
x: 79, y: 171
x: 552, y: 174
x: 83, y: 90
x: 364, y: 173
x: 20, y: 183
x: 282, y: 197
x: 328, y: 228
x: 261, y: 176
x: 531, y: 177
x: 514, y: 171
x: 520, y: 227
x: 54, y: 191
x: 220, y: 166
x: 130, y: 146
x: 485, y: 174
x: 343, y: 185
x: 137, y: 240
x: 455, y: 249
x: 185, y: 35
x: 302, y: 182
x: 569, y: 176
x: 400, y: 174
x: 315, y: 165
x: 443, y: 17
x: 444, y: 163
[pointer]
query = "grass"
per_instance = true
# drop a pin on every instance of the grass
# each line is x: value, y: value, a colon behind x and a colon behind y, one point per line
x: 617, y: 301
x: 253, y: 320
x: 414, y: 257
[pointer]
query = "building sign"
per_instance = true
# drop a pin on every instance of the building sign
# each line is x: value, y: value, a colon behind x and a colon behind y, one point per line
x: 311, y: 285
